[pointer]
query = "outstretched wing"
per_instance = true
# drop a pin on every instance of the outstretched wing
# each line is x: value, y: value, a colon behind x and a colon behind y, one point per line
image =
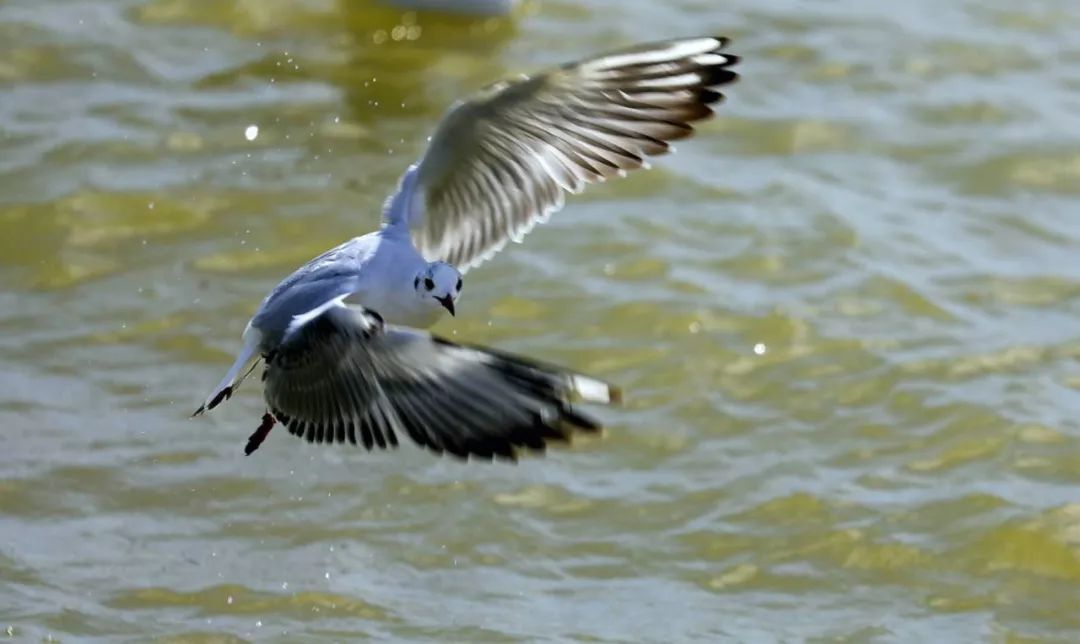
x: 345, y: 377
x: 502, y: 161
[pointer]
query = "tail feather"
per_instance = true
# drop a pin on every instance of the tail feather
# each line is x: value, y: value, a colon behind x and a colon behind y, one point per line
x: 224, y: 390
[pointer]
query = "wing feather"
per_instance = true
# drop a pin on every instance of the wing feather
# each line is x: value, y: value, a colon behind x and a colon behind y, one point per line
x: 501, y: 162
x: 343, y: 376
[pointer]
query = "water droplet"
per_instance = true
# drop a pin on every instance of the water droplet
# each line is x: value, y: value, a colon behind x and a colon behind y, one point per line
x: 759, y: 349
x: 229, y: 600
x: 251, y: 132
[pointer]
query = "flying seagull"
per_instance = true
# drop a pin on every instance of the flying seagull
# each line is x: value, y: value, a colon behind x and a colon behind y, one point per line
x: 498, y: 164
x: 346, y: 375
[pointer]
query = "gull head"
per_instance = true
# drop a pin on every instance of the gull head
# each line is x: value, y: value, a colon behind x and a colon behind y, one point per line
x: 439, y: 284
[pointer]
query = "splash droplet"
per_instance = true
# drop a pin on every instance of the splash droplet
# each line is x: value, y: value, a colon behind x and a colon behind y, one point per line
x: 251, y: 132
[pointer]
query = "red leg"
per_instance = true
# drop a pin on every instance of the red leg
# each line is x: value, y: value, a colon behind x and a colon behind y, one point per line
x: 260, y: 434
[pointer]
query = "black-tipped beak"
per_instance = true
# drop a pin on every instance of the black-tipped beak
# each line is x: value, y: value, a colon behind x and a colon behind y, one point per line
x: 447, y: 302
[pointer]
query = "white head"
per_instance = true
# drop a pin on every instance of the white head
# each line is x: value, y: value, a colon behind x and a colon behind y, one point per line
x: 439, y: 284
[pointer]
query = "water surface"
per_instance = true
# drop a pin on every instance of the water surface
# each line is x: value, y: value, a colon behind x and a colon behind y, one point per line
x: 845, y: 317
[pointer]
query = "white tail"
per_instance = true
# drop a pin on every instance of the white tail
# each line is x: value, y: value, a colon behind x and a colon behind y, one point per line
x: 252, y: 338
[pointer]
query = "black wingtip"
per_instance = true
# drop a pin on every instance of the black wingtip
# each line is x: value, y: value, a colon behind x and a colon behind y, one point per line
x: 579, y: 421
x: 224, y: 394
x: 716, y: 76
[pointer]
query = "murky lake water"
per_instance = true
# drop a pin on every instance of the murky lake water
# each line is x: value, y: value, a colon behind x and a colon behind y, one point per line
x: 887, y: 209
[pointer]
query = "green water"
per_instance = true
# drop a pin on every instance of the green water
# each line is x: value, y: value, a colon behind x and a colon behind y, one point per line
x: 845, y: 318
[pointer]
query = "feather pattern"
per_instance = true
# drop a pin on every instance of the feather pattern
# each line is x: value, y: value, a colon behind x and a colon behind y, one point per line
x: 500, y: 163
x: 346, y: 377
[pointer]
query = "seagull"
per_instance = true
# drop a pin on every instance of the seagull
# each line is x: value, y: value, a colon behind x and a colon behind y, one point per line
x: 345, y: 355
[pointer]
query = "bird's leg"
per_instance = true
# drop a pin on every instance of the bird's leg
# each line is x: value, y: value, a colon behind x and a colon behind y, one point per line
x: 260, y: 434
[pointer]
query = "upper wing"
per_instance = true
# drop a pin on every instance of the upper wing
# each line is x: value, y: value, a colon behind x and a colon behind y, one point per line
x: 344, y: 376
x: 500, y: 162
x: 330, y: 276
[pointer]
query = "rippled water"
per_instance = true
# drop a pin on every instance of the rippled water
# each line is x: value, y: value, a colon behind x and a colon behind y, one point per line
x: 887, y: 209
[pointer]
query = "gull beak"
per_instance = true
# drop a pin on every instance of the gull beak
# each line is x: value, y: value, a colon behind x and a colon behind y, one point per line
x: 447, y: 302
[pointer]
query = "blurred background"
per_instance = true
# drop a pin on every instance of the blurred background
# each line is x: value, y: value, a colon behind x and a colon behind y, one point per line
x: 845, y: 316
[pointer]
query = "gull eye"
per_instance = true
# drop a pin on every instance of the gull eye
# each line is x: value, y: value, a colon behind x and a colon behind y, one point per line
x: 459, y: 283
x: 429, y: 283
